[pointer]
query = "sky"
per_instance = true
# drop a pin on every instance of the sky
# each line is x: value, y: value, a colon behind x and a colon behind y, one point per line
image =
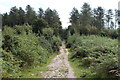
x: 63, y: 7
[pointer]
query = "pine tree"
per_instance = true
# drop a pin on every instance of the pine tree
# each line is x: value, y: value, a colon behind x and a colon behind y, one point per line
x: 30, y: 15
x: 98, y: 17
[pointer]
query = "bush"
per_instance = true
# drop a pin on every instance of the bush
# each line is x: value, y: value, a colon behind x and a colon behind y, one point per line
x: 23, y: 29
x: 89, y: 30
x: 10, y: 65
x: 22, y: 48
x: 7, y: 38
x: 80, y: 53
x: 87, y: 61
x: 95, y: 54
x: 97, y: 50
x: 8, y: 31
x: 38, y: 25
x: 7, y: 43
x: 72, y: 41
x: 113, y: 33
x: 56, y: 43
x: 108, y: 66
x: 45, y: 44
x: 48, y: 33
x: 29, y: 50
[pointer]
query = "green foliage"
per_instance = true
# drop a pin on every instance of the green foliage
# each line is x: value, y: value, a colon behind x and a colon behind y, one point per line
x: 93, y: 22
x: 56, y: 43
x: 99, y: 53
x: 23, y: 49
x: 108, y: 66
x: 52, y: 18
x: 74, y: 16
x: 30, y: 15
x: 23, y: 29
x: 72, y: 41
x: 28, y: 46
x: 89, y: 30
x: 99, y: 17
x: 13, y: 13
x: 87, y: 61
x: 38, y: 25
x: 8, y: 31
x: 80, y: 71
x: 45, y: 44
x: 7, y: 43
x: 15, y: 17
x: 48, y: 33
x: 63, y: 34
x: 10, y: 64
x: 109, y: 17
x: 113, y: 33
x: 7, y: 38
x: 93, y: 42
x: 86, y: 15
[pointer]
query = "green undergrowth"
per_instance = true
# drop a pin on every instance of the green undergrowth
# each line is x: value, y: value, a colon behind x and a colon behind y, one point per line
x: 36, y: 72
x: 79, y: 70
x: 23, y: 50
x: 94, y: 56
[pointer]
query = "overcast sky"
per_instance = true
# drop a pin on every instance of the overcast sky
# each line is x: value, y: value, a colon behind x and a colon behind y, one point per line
x: 64, y: 7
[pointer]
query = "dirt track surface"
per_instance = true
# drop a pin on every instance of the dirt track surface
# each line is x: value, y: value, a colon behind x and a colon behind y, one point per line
x: 59, y: 66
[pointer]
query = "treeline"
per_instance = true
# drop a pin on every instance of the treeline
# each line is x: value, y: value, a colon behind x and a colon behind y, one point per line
x: 94, y: 56
x: 93, y: 52
x: 28, y: 39
x: 22, y: 49
x: 18, y: 16
x: 97, y: 21
x: 40, y: 19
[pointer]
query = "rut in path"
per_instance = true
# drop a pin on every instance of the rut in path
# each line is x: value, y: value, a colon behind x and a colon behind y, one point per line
x: 59, y: 66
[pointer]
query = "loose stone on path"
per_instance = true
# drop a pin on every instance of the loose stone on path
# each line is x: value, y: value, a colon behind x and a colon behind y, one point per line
x: 60, y: 66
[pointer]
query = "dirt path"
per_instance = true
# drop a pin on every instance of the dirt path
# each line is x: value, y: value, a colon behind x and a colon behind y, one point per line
x: 60, y: 67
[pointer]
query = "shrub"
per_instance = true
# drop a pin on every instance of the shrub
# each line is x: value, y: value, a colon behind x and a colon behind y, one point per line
x: 108, y: 66
x: 10, y: 64
x: 45, y: 44
x: 29, y: 50
x: 23, y: 29
x: 7, y: 43
x: 22, y: 48
x: 56, y: 43
x: 97, y: 50
x: 113, y: 33
x: 72, y: 41
x: 89, y: 30
x: 87, y: 61
x: 48, y: 33
x: 95, y: 54
x: 8, y: 31
x: 82, y: 52
x: 91, y: 44
x: 8, y: 38
x: 38, y: 25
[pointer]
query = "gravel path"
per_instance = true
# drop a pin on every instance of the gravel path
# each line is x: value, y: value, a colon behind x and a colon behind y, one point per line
x: 60, y: 67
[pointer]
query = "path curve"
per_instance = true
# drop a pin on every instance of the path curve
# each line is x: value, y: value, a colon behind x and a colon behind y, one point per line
x: 60, y: 66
